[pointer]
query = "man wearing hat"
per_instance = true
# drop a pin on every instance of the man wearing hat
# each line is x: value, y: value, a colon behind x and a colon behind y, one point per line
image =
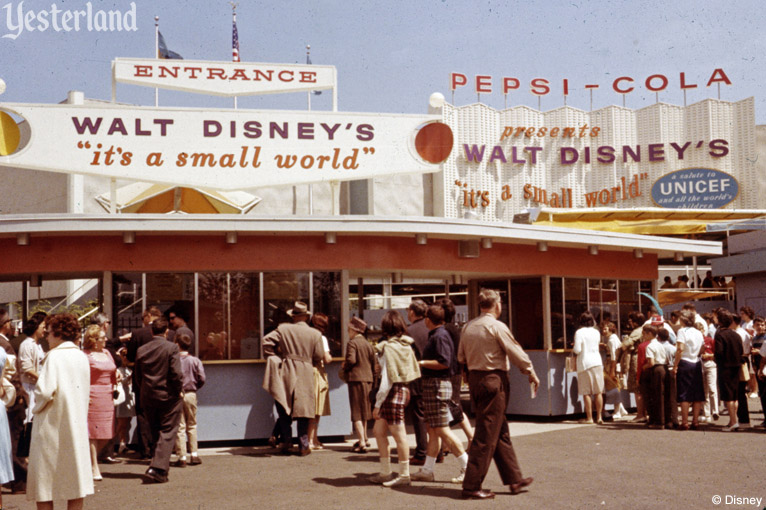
x: 360, y: 366
x: 291, y: 351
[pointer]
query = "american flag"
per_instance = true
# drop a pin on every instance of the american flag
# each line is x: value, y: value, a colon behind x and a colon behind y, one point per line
x: 234, y: 41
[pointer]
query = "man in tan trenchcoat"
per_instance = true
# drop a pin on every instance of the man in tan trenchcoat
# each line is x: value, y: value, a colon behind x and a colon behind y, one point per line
x: 291, y: 351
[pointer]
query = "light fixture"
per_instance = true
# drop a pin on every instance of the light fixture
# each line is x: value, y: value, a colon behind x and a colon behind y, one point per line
x: 421, y: 239
x: 129, y: 237
x: 231, y: 238
x: 542, y: 246
x: 457, y: 279
x: 22, y: 239
x: 397, y: 277
x: 330, y: 237
x: 678, y: 256
x: 486, y: 243
x: 638, y: 253
x: 593, y: 249
x: 436, y: 100
x: 36, y: 280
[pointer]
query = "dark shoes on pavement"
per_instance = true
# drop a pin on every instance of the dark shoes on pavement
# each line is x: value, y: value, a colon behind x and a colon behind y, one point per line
x: 479, y: 494
x: 194, y: 460
x: 156, y: 475
x: 516, y: 487
x: 417, y: 461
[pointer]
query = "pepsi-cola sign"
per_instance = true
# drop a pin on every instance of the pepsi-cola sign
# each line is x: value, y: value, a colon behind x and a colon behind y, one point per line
x: 695, y: 188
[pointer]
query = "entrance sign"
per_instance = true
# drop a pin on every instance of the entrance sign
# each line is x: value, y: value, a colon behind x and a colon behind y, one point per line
x: 221, y: 149
x: 228, y: 79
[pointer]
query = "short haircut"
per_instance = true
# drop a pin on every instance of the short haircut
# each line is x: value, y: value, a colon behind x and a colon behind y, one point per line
x: 758, y: 320
x: 690, y: 307
x: 747, y: 311
x: 100, y: 319
x: 724, y: 318
x: 640, y: 318
x: 4, y: 316
x: 153, y: 311
x: 488, y: 298
x: 418, y: 307
x: 64, y: 326
x: 180, y: 314
x: 184, y: 341
x: 159, y: 326
x: 663, y: 335
x: 92, y: 333
x: 320, y: 321
x: 393, y: 324
x: 736, y: 319
x: 674, y: 315
x: 31, y: 324
x: 610, y: 326
x: 687, y: 318
x: 449, y: 309
x: 435, y: 314
x: 586, y: 320
x: 652, y: 330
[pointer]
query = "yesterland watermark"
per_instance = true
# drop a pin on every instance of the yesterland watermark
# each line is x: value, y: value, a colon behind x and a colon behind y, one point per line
x: 729, y: 499
x: 18, y: 19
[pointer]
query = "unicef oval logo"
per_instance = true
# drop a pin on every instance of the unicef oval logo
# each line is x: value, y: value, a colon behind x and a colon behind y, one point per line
x: 695, y: 188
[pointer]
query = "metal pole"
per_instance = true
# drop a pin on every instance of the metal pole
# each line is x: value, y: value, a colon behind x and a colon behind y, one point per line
x: 156, y: 55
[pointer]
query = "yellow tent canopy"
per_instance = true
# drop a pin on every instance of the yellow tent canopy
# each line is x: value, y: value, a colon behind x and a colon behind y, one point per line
x: 142, y: 197
x: 671, y: 296
x: 650, y: 221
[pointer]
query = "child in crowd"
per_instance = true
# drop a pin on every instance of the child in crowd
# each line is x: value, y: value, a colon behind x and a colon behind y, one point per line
x: 125, y: 410
x: 194, y: 379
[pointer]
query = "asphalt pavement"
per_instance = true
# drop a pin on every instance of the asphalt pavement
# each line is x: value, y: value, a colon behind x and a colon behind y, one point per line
x: 620, y: 465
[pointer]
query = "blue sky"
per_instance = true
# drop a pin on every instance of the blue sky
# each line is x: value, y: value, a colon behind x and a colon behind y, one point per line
x: 391, y: 55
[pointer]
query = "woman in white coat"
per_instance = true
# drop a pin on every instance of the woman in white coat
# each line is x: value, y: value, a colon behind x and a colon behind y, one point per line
x: 59, y: 458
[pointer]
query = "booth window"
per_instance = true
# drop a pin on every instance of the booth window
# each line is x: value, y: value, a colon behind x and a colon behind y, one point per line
x: 575, y: 303
x: 228, y: 311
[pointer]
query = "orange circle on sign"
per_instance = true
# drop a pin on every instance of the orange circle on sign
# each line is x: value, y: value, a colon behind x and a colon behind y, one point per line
x: 9, y: 135
x: 434, y: 142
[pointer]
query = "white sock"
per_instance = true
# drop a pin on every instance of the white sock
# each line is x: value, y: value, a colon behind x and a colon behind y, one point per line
x: 463, y: 460
x: 385, y: 466
x: 404, y: 468
x: 194, y: 454
x: 430, y: 463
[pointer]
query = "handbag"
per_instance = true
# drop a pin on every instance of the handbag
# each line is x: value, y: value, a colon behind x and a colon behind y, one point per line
x: 342, y: 373
x: 744, y: 373
x: 571, y: 364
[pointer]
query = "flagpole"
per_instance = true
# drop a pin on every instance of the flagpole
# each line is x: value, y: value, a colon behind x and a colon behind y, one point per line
x: 156, y: 55
x: 234, y: 56
x: 308, y: 61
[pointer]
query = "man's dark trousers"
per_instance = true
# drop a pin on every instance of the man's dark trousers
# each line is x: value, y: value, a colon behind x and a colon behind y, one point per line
x: 491, y: 440
x: 163, y: 419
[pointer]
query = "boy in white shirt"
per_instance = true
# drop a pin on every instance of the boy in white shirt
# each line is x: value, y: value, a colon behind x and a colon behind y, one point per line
x: 656, y: 363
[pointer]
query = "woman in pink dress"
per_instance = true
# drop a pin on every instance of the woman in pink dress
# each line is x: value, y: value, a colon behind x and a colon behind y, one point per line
x: 103, y: 378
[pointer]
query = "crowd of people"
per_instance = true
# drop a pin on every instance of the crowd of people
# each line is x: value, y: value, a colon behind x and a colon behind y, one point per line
x: 685, y: 372
x: 414, y: 370
x: 70, y: 395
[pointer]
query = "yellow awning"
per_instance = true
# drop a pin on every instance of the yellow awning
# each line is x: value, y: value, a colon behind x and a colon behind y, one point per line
x: 669, y: 297
x: 653, y: 221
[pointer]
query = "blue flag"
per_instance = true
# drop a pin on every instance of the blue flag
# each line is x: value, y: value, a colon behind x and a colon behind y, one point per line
x: 164, y: 52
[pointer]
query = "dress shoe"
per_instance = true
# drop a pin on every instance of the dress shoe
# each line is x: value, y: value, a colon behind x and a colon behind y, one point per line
x: 109, y: 460
x: 417, y: 461
x: 194, y: 460
x: 516, y: 487
x: 304, y: 451
x: 156, y: 476
x: 479, y: 494
x: 179, y: 463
